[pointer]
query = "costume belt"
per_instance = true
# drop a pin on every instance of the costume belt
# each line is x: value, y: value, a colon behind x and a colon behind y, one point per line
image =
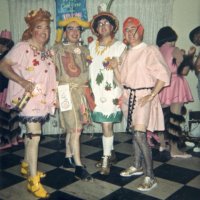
x: 73, y: 85
x: 131, y: 104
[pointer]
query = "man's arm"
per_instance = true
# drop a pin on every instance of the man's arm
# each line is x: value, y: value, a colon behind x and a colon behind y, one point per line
x: 8, y: 72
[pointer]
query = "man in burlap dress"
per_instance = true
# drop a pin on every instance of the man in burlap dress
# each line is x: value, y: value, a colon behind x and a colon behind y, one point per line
x: 72, y: 69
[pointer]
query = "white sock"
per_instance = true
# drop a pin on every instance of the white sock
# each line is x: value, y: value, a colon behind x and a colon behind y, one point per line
x: 107, y: 145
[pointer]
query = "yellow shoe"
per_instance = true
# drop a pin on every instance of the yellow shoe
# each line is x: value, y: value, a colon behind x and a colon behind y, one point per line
x: 35, y: 187
x: 25, y: 171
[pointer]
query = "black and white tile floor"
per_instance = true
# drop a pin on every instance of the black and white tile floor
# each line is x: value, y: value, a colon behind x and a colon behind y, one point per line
x: 179, y: 179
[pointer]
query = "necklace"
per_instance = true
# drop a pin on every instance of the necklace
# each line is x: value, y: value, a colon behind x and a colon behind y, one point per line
x: 97, y: 48
x: 43, y: 53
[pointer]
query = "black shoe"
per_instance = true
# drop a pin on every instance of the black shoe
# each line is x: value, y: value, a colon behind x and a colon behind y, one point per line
x: 69, y: 163
x: 113, y: 158
x: 82, y: 174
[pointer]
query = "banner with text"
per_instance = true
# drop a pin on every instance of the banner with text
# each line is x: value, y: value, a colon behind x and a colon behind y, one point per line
x: 71, y: 8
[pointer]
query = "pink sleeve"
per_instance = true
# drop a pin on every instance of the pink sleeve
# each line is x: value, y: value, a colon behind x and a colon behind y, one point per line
x: 157, y: 66
x: 122, y: 67
x: 19, y: 54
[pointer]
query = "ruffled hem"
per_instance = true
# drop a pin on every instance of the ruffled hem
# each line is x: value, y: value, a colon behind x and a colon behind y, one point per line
x: 177, y: 92
x: 41, y: 119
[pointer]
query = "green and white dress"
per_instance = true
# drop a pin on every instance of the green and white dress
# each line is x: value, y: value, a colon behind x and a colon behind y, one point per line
x: 102, y: 82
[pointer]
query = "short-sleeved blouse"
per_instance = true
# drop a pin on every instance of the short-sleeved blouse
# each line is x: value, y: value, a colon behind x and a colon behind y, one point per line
x: 37, y: 67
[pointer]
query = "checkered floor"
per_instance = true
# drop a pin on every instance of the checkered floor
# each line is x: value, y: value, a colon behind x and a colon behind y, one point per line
x: 179, y: 179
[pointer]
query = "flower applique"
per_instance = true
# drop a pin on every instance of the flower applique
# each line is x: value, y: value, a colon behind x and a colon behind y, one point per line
x: 108, y: 86
x: 99, y: 78
x: 106, y: 63
x: 89, y: 59
x: 90, y: 39
x: 30, y: 68
x: 35, y: 50
x: 116, y: 101
x: 35, y: 62
x: 15, y: 101
x: 77, y: 51
x: 43, y: 101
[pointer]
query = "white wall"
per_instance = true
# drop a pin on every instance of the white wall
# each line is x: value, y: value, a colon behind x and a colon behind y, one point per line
x: 186, y: 16
x: 4, y: 15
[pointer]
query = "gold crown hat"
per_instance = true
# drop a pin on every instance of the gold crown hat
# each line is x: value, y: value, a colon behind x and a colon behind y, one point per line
x: 65, y: 22
x: 37, y: 15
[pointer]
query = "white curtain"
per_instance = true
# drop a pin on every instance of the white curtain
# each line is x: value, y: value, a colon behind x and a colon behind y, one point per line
x: 153, y: 14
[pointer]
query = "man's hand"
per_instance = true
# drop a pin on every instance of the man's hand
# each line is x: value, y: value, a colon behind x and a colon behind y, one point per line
x: 142, y: 101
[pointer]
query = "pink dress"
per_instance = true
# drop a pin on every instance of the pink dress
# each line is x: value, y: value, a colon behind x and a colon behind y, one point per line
x: 36, y: 67
x: 178, y: 91
x: 141, y: 68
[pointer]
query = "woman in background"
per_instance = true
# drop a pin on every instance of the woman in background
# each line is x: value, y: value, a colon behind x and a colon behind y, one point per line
x: 178, y: 92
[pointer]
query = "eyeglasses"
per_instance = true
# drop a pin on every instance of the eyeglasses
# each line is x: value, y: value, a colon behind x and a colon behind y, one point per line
x: 106, y: 23
x: 134, y: 30
x: 70, y: 28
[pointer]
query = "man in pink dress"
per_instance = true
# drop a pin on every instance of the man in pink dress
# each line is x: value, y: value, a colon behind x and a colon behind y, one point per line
x: 143, y: 73
x: 31, y: 71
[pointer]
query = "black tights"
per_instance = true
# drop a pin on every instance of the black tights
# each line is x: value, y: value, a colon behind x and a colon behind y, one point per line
x: 142, y: 153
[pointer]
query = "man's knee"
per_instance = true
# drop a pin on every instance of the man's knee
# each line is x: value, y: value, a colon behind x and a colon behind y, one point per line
x: 33, y: 135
